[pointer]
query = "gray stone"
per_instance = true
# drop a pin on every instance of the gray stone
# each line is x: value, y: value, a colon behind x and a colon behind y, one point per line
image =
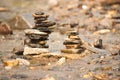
x: 44, y: 29
x: 98, y: 44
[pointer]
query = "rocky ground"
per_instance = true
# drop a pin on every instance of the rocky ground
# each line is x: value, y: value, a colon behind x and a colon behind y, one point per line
x: 92, y: 21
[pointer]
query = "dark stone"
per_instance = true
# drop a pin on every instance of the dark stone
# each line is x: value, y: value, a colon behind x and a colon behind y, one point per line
x: 19, y: 52
x: 39, y: 20
x: 38, y: 46
x: 45, y: 24
x: 44, y: 29
x: 36, y: 41
x: 81, y: 49
x: 72, y: 25
x: 98, y: 44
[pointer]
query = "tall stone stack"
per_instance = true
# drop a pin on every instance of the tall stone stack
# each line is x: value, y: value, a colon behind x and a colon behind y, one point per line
x: 73, y: 43
x: 37, y: 36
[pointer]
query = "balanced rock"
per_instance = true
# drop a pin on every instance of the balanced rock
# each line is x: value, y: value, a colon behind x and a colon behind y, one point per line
x: 73, y: 43
x: 37, y: 36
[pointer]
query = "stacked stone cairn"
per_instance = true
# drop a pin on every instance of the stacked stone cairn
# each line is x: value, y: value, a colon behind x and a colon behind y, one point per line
x: 73, y: 43
x: 37, y: 36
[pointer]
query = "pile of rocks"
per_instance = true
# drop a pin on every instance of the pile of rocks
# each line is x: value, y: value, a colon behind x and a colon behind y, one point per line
x: 42, y: 23
x: 73, y: 43
x: 37, y: 36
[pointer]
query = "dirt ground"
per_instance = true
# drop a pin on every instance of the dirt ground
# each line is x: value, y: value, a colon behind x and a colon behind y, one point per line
x: 88, y: 18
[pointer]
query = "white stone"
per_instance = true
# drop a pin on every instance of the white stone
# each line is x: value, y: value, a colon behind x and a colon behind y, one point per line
x: 30, y: 51
x: 84, y: 7
x: 23, y: 61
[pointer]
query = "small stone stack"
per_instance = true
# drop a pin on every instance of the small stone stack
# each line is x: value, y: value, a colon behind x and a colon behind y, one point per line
x: 73, y: 43
x: 37, y: 36
x: 42, y: 23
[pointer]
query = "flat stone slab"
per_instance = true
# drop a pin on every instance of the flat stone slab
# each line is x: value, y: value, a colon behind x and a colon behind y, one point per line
x: 72, y: 42
x: 34, y: 31
x: 71, y: 51
x: 34, y: 51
